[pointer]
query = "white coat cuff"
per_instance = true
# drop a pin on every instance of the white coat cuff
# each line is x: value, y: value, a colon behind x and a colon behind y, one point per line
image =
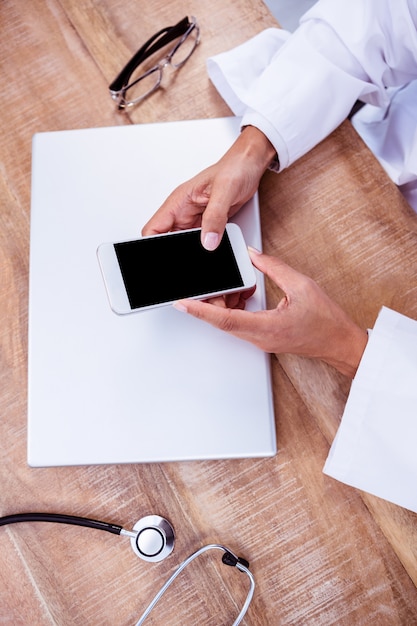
x: 234, y: 72
x: 374, y: 449
x: 281, y: 84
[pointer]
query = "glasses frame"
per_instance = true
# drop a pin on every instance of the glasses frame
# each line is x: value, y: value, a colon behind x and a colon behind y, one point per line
x: 121, y: 84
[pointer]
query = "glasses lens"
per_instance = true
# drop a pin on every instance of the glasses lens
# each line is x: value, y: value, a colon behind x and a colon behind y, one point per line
x: 185, y: 47
x: 142, y: 84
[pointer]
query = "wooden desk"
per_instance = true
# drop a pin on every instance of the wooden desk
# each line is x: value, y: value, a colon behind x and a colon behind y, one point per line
x: 321, y: 552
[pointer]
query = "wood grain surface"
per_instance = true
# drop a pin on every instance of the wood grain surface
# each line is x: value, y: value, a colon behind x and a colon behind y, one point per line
x: 321, y: 552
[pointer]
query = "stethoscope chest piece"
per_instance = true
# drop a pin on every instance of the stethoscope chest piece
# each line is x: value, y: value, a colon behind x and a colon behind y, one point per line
x: 154, y: 540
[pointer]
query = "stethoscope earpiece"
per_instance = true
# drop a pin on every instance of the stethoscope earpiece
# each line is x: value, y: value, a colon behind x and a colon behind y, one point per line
x: 154, y: 538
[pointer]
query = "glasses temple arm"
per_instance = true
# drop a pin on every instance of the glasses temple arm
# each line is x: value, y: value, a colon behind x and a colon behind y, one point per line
x: 156, y: 42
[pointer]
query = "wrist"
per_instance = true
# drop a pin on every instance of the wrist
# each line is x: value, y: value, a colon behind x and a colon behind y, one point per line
x: 350, y: 352
x: 257, y: 147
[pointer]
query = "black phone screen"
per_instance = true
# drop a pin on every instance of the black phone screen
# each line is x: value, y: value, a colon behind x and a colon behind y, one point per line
x: 170, y: 267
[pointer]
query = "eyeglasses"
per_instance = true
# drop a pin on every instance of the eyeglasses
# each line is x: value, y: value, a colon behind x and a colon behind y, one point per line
x: 131, y: 85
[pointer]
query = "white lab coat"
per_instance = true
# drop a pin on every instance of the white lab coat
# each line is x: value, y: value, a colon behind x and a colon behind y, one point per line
x: 297, y: 88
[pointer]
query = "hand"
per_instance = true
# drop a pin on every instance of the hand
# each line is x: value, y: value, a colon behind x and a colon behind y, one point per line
x: 216, y: 193
x: 305, y: 322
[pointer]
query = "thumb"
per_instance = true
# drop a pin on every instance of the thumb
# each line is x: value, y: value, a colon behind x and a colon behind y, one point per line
x: 215, y: 216
x: 213, y: 223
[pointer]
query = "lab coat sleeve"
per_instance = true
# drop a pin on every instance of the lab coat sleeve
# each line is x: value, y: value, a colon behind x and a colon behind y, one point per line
x: 375, y: 446
x: 297, y: 88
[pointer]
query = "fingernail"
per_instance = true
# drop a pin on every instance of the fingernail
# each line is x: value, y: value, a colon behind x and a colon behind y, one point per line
x: 254, y: 250
x: 211, y: 241
x: 180, y: 306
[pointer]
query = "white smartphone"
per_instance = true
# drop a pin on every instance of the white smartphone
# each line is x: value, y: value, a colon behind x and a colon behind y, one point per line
x: 155, y: 271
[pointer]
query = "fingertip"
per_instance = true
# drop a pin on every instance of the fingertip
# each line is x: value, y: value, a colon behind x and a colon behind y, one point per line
x: 256, y: 256
x: 210, y: 241
x: 180, y: 305
x: 148, y: 229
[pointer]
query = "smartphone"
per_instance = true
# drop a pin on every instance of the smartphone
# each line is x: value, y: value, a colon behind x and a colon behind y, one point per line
x: 157, y: 270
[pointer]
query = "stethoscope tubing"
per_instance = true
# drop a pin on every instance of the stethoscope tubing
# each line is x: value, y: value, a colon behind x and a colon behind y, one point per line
x: 184, y: 564
x: 59, y: 518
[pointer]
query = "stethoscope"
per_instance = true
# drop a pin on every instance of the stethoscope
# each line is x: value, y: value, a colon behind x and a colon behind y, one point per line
x: 152, y: 539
